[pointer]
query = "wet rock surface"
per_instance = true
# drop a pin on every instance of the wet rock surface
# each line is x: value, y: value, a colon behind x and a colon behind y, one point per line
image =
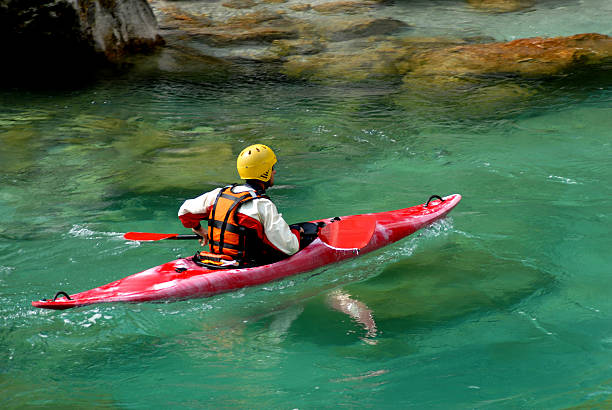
x: 361, y: 41
x: 531, y: 57
x: 501, y: 6
x: 338, y: 40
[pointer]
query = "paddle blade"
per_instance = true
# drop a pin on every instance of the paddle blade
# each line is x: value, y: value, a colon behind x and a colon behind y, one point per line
x: 147, y: 236
x: 349, y: 233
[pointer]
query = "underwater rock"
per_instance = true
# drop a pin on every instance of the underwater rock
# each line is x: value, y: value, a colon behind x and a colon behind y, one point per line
x: 460, y: 99
x: 349, y: 7
x: 432, y: 287
x: 19, y: 149
x: 210, y: 161
x: 345, y: 68
x: 283, y: 48
x: 363, y: 59
x: 69, y: 34
x: 501, y: 6
x: 343, y: 29
x: 186, y: 60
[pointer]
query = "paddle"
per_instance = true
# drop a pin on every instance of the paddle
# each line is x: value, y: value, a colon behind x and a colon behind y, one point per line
x: 147, y: 236
x: 347, y: 233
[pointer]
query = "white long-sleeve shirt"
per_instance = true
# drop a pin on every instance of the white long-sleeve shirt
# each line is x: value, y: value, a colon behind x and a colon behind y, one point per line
x: 262, y: 210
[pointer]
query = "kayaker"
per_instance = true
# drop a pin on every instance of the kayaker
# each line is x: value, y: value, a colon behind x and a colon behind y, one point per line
x: 244, y: 226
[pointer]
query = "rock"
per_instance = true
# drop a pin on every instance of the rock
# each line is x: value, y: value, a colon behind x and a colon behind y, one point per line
x: 437, y: 287
x: 173, y: 17
x: 342, y: 29
x: 463, y: 99
x: 452, y: 62
x: 283, y: 48
x: 321, y: 45
x: 21, y: 147
x: 257, y: 18
x: 158, y: 173
x: 188, y: 61
x: 66, y: 33
x: 341, y: 67
x: 300, y: 7
x: 501, y: 6
x: 259, y: 27
x: 349, y: 7
x: 239, y: 4
x: 528, y: 58
x: 224, y: 36
x: 363, y: 59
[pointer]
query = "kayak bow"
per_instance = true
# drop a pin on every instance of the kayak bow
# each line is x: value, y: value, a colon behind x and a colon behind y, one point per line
x: 184, y: 279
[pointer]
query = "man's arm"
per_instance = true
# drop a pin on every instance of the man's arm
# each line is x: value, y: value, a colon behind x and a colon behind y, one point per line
x: 276, y: 230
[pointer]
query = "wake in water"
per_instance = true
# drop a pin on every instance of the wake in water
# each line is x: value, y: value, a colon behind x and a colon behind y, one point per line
x: 79, y: 231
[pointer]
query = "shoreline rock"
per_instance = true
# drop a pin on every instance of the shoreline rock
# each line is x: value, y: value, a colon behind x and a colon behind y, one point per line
x: 455, y: 59
x: 535, y: 57
x: 66, y: 34
x: 324, y: 40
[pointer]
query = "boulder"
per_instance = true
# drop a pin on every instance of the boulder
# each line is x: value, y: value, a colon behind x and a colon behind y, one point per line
x: 381, y: 58
x: 258, y: 27
x: 527, y: 58
x: 69, y: 33
x: 321, y: 41
x: 347, y: 29
x: 453, y: 61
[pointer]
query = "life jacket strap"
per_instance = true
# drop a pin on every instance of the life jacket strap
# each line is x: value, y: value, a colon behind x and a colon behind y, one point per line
x: 219, y: 225
x: 215, y: 261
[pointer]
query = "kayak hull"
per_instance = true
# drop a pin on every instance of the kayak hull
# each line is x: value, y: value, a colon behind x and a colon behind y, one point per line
x: 184, y: 279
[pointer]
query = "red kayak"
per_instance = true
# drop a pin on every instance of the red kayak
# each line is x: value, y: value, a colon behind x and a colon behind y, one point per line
x: 341, y: 239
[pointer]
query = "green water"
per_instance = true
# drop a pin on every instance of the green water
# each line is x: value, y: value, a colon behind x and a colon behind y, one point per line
x: 505, y: 304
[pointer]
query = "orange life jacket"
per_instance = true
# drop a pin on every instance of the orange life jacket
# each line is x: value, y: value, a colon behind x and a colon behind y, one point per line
x: 225, y: 236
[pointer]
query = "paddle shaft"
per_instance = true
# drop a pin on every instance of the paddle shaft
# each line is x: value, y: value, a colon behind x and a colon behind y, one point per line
x: 346, y: 233
x: 148, y: 236
x: 186, y: 236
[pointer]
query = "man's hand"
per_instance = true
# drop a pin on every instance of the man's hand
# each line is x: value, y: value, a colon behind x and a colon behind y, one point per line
x: 200, y: 230
x: 296, y: 227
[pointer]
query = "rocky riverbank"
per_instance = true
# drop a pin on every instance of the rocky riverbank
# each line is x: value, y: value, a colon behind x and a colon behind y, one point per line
x: 346, y: 40
x: 363, y: 40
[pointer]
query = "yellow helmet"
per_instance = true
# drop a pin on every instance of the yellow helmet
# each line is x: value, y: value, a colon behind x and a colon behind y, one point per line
x: 256, y: 162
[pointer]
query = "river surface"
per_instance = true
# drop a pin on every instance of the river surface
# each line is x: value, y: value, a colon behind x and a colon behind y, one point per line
x: 504, y: 304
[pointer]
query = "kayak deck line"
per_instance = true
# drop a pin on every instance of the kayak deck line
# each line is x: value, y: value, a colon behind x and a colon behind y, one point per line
x: 184, y: 279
